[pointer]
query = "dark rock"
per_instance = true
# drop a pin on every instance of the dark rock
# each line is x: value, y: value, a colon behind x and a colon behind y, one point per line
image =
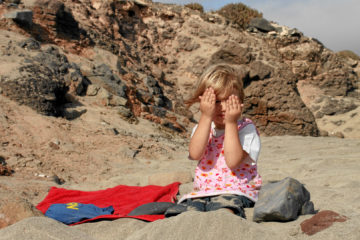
x: 76, y: 82
x: 30, y: 44
x: 153, y: 86
x: 22, y: 16
x: 71, y: 114
x: 40, y: 83
x: 321, y: 221
x: 261, y: 24
x: 5, y: 170
x: 14, y: 1
x: 58, y: 180
x: 296, y: 33
x: 112, y: 81
x: 282, y: 201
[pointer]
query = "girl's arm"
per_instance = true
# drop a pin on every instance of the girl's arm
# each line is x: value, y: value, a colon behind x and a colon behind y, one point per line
x: 234, y: 153
x: 200, y: 138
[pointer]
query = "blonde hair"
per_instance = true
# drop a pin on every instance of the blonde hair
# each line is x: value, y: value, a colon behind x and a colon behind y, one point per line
x: 223, y: 78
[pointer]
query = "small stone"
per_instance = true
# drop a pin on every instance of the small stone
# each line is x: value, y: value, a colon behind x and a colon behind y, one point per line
x: 5, y: 170
x: 71, y: 114
x: 92, y: 90
x: 117, y: 101
x: 58, y: 180
x: 282, y: 201
x: 337, y: 134
x: 54, y: 145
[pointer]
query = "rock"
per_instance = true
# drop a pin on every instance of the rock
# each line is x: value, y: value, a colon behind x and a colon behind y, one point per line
x: 164, y: 179
x: 336, y: 134
x: 73, y: 113
x: 39, y: 80
x: 104, y: 96
x: 30, y: 44
x: 117, y: 101
x: 321, y: 221
x: 92, y: 90
x: 58, y: 180
x: 22, y: 16
x: 14, y: 1
x: 261, y: 24
x: 282, y: 201
x: 126, y: 114
x: 76, y: 82
x: 5, y: 170
x: 153, y: 86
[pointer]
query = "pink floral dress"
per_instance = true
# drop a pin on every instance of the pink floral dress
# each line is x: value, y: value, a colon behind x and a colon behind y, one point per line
x: 214, y: 177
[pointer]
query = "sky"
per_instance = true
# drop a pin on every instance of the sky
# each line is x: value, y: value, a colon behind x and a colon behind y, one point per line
x: 335, y: 23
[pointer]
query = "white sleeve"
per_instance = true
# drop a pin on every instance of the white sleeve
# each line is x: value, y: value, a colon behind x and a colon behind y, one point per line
x: 193, y: 131
x: 192, y: 134
x: 250, y: 141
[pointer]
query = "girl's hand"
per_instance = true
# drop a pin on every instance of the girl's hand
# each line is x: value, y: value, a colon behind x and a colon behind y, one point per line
x: 233, y: 109
x: 207, y: 103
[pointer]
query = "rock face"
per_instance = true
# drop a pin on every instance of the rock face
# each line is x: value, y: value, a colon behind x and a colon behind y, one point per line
x: 282, y: 201
x: 154, y: 53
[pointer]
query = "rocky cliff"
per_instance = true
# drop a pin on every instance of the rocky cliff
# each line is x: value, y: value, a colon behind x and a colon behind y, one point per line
x: 144, y: 58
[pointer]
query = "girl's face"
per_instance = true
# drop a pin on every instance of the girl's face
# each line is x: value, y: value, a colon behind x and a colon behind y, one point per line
x: 220, y: 109
x: 219, y: 117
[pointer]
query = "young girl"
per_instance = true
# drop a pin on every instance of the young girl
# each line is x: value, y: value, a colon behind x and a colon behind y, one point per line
x: 225, y: 144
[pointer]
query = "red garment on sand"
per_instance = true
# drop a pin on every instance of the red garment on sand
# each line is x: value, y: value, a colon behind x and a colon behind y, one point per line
x: 123, y: 198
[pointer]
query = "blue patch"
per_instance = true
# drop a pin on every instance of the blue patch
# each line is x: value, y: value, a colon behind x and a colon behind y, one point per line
x: 74, y: 212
